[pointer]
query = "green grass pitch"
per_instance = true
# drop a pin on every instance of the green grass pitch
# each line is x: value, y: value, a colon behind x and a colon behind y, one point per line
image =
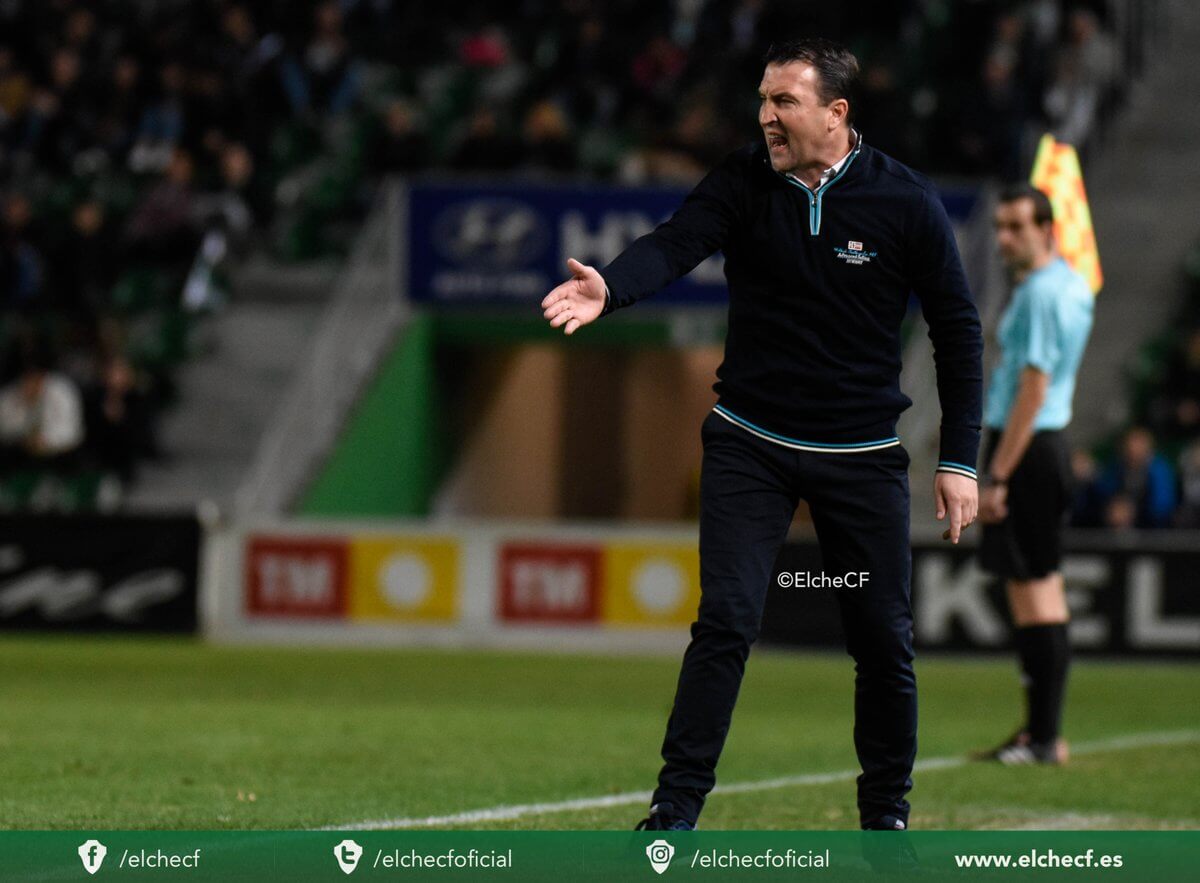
x: 156, y: 733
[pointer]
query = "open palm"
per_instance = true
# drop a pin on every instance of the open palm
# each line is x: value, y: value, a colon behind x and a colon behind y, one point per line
x: 577, y: 301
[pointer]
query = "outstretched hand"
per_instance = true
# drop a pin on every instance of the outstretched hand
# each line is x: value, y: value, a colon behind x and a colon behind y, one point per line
x: 577, y: 301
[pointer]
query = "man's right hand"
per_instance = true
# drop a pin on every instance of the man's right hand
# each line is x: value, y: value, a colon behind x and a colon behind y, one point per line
x: 577, y: 301
x: 958, y: 497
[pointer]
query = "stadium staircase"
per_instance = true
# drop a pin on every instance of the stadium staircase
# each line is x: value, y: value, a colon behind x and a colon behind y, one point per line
x: 253, y: 347
x: 1142, y: 187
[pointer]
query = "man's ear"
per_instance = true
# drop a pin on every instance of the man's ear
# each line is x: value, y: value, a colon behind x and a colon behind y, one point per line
x: 838, y: 110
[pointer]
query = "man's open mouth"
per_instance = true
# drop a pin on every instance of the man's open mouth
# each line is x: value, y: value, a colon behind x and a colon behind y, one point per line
x: 775, y: 140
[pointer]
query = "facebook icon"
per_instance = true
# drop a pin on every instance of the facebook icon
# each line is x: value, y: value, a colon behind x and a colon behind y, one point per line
x: 92, y: 855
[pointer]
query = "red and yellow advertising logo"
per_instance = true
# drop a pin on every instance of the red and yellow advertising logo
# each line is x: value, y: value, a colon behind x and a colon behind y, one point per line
x: 404, y: 579
x: 543, y: 583
x: 651, y: 583
x: 294, y: 576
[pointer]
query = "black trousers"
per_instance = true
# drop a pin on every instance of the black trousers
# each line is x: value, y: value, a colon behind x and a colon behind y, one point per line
x: 749, y: 490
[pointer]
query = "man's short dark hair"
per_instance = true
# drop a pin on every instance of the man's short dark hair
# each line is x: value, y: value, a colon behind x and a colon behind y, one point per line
x: 836, y: 66
x: 1043, y: 211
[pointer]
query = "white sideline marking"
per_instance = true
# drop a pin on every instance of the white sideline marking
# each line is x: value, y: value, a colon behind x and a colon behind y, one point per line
x: 991, y: 817
x: 521, y: 810
x: 1074, y: 821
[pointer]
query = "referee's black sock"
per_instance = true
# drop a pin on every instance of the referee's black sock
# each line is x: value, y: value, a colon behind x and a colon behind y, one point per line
x: 1045, y: 657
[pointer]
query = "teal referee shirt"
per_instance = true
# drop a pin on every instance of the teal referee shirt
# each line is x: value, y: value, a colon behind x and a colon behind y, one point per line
x: 1045, y: 326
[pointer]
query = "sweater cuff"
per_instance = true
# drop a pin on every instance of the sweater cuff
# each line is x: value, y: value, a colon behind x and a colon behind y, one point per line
x: 959, y: 450
x: 956, y: 469
x: 616, y: 288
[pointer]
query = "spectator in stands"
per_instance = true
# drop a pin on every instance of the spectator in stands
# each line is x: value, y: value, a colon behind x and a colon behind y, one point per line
x: 118, y: 419
x: 230, y: 208
x: 548, y: 146
x: 248, y: 61
x: 681, y: 156
x: 16, y: 91
x: 82, y: 36
x: 1188, y: 513
x: 486, y: 146
x: 237, y: 49
x: 1085, y: 69
x: 655, y: 72
x: 41, y: 418
x: 1138, y: 487
x: 62, y: 120
x: 22, y: 268
x: 162, y: 226
x: 1028, y: 52
x: 882, y: 101
x: 499, y: 73
x: 85, y: 263
x: 399, y: 146
x: 1087, y: 503
x: 993, y: 121
x: 586, y: 70
x: 162, y: 123
x: 738, y: 28
x: 120, y: 110
x: 325, y: 79
x: 487, y: 48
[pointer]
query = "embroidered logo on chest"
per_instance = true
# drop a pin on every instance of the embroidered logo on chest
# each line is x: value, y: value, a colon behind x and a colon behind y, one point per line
x: 854, y: 253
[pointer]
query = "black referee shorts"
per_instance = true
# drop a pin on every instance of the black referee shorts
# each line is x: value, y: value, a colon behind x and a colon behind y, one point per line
x: 1028, y: 543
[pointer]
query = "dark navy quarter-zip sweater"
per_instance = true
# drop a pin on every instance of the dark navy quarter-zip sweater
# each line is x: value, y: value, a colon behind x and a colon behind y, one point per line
x: 819, y: 283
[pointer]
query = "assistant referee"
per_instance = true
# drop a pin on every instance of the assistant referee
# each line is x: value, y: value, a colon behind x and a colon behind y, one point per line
x: 824, y: 239
x: 1042, y: 336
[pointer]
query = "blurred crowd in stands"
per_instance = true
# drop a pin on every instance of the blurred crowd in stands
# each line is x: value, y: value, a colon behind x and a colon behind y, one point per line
x: 1151, y: 477
x: 141, y: 145
x: 661, y: 90
x: 145, y: 142
x: 1134, y: 486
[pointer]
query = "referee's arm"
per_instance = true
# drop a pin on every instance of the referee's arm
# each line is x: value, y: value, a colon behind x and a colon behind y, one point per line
x: 696, y: 230
x: 1014, y: 441
x: 937, y: 277
x: 1035, y: 319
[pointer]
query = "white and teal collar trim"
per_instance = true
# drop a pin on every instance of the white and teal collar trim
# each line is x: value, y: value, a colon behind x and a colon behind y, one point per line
x: 814, y: 196
x: 834, y: 169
